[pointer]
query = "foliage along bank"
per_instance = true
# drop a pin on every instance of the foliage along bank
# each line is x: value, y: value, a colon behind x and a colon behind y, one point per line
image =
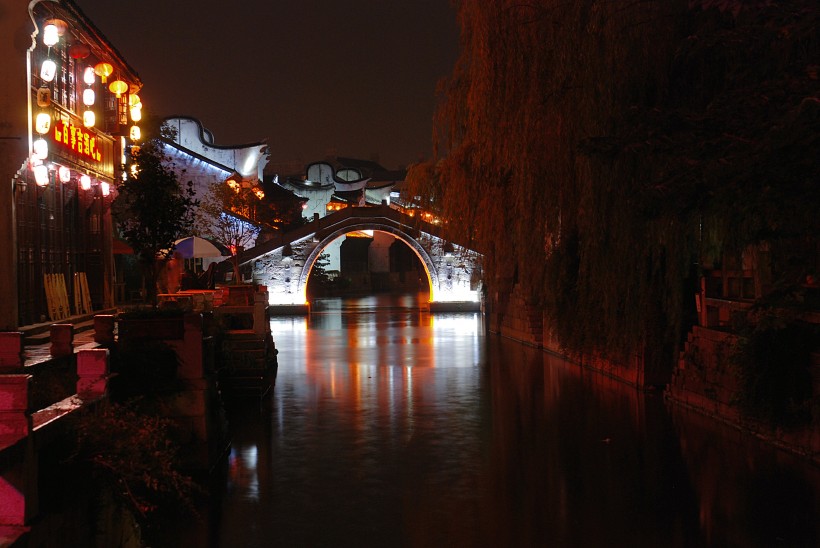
x: 601, y: 153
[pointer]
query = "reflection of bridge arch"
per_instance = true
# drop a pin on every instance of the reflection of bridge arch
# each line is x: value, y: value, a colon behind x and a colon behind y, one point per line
x: 284, y: 263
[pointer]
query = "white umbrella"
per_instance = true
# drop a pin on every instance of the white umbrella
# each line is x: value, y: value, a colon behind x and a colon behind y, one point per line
x: 194, y: 246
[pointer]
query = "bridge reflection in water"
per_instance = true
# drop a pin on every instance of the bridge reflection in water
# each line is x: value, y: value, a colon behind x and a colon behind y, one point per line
x: 392, y: 427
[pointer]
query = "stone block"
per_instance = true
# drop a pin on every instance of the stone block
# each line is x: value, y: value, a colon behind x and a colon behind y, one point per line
x: 104, y: 328
x: 14, y: 393
x: 11, y: 349
x: 61, y: 336
x: 12, y: 504
x: 92, y: 362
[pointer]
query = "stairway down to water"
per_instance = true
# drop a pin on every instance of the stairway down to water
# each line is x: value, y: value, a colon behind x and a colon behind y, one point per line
x: 249, y: 362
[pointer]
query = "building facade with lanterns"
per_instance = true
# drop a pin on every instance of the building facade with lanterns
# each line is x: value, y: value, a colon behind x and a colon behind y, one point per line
x: 69, y: 110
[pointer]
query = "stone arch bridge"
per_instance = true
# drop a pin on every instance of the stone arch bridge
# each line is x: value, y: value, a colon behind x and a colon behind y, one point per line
x: 284, y: 263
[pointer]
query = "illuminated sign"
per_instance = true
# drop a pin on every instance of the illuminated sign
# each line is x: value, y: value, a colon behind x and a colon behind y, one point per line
x: 78, y: 140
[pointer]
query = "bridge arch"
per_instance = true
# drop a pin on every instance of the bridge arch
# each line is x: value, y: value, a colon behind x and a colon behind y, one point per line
x: 427, y: 261
x: 284, y: 263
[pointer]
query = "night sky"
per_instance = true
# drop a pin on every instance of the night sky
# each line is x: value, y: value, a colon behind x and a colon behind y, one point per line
x: 354, y: 78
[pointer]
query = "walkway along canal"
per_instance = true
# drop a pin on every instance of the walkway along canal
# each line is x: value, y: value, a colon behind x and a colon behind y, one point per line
x: 389, y: 426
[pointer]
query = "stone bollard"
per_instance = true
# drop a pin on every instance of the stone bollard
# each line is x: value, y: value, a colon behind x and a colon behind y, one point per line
x: 104, y: 329
x: 15, y: 419
x: 61, y: 336
x: 11, y: 350
x: 92, y: 372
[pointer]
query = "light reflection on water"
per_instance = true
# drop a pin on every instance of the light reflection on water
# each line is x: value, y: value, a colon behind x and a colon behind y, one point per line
x: 389, y: 426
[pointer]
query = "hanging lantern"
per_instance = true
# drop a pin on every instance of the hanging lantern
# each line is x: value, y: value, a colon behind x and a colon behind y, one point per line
x: 105, y: 188
x: 89, y: 76
x: 64, y: 173
x: 40, y: 149
x: 134, y: 170
x: 89, y: 118
x: 42, y: 123
x: 118, y: 87
x: 133, y: 100
x: 259, y: 192
x: 136, y: 113
x: 103, y: 70
x: 51, y: 35
x: 135, y: 133
x: 79, y: 50
x: 61, y: 25
x: 89, y: 97
x: 48, y: 70
x: 41, y: 175
x: 43, y: 96
x: 85, y: 182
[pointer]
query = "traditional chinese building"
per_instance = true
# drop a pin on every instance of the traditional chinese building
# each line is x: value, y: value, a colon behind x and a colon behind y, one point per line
x: 68, y: 110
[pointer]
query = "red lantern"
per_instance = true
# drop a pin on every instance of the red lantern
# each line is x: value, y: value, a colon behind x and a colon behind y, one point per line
x: 79, y: 50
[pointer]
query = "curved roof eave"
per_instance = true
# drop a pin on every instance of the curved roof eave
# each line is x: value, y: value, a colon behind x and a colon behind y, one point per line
x: 203, y: 131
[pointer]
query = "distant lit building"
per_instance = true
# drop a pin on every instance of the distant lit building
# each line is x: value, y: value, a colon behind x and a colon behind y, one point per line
x: 69, y: 114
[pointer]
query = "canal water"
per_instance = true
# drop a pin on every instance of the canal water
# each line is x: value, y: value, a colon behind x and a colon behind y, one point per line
x: 389, y: 426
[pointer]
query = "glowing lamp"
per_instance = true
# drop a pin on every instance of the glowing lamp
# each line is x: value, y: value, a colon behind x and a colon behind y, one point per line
x: 103, y: 70
x: 89, y: 76
x: 134, y: 170
x: 40, y: 148
x: 61, y: 25
x: 48, y: 70
x: 134, y: 100
x: 105, y: 188
x: 118, y: 87
x: 42, y: 123
x: 41, y: 175
x: 89, y: 118
x: 64, y: 173
x: 85, y: 182
x: 136, y: 113
x: 43, y: 96
x: 259, y: 192
x: 233, y: 182
x: 135, y: 133
x: 89, y: 97
x: 51, y: 34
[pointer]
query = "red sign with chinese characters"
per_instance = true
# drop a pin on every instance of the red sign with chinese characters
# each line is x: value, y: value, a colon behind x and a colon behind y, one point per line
x: 78, y: 139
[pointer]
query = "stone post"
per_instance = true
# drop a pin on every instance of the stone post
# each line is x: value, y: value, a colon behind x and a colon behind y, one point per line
x: 104, y: 329
x: 61, y: 336
x: 11, y: 350
x: 92, y: 372
x: 15, y: 419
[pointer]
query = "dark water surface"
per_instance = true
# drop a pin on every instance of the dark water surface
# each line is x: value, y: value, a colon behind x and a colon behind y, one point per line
x: 389, y: 426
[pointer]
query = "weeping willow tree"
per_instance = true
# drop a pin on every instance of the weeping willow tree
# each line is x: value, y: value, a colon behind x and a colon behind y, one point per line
x: 587, y: 147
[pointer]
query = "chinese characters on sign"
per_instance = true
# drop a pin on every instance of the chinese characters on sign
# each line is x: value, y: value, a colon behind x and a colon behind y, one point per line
x: 78, y: 140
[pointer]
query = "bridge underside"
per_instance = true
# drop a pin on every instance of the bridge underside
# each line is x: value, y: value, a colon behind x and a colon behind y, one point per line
x: 284, y: 265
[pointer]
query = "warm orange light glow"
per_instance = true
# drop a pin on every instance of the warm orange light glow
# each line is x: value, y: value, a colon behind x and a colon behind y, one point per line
x: 48, y: 70
x: 42, y: 123
x: 103, y: 70
x: 41, y: 175
x: 89, y: 75
x: 118, y: 87
x: 89, y: 118
x: 50, y: 35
